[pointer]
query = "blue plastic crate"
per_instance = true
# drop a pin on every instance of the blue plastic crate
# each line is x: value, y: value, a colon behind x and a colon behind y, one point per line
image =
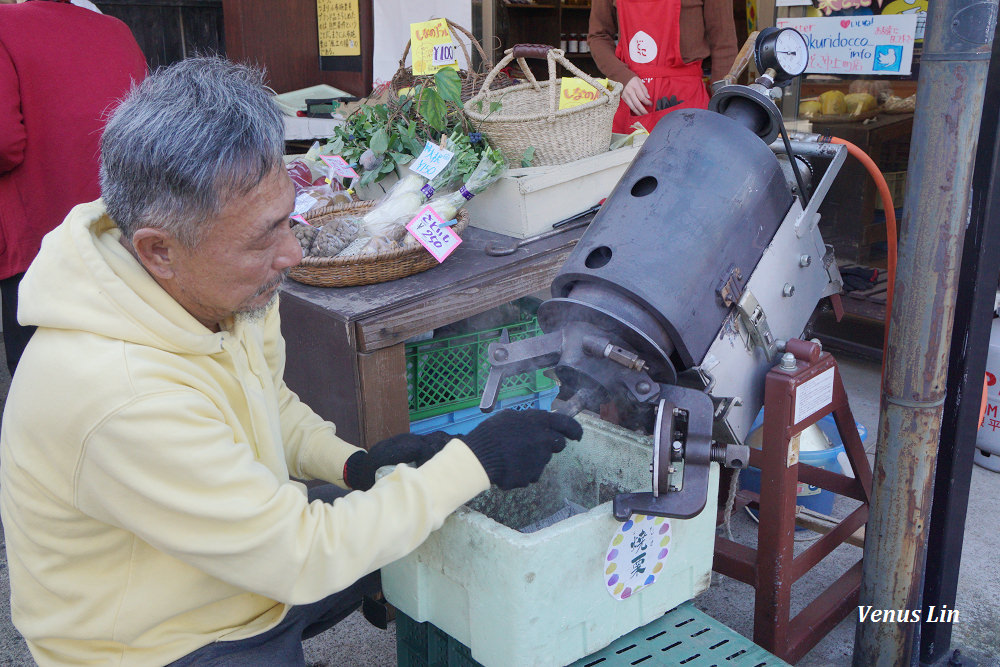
x: 462, y: 421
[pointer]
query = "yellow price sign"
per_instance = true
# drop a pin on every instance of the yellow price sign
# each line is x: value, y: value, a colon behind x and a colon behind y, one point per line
x: 431, y: 46
x: 575, y: 91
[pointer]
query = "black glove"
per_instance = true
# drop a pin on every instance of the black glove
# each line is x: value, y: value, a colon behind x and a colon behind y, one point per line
x: 359, y: 471
x: 514, y: 445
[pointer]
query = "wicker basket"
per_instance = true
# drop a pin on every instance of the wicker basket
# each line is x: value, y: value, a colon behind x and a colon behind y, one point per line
x: 470, y: 76
x: 376, y: 267
x: 558, y: 136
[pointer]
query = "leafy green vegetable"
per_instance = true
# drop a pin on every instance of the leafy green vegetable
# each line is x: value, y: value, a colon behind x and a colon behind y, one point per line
x: 380, y: 141
x: 449, y: 85
x: 528, y: 157
x: 432, y: 108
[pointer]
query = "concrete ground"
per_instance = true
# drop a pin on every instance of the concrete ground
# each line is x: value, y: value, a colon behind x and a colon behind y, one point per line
x: 356, y: 643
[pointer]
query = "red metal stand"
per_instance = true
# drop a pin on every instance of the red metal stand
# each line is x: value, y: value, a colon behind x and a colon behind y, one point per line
x: 793, y: 400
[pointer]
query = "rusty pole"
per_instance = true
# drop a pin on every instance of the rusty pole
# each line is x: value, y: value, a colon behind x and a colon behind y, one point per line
x: 950, y: 89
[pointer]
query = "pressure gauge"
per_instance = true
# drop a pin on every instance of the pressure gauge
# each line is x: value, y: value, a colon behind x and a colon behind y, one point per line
x: 783, y: 50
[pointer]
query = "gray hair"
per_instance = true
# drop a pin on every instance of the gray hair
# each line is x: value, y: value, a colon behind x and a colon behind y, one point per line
x: 183, y: 143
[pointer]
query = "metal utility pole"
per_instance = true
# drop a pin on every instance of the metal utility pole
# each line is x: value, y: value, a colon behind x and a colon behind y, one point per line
x: 951, y: 84
x: 966, y: 368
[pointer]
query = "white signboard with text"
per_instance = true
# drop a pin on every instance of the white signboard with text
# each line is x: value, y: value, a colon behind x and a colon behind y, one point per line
x: 871, y: 45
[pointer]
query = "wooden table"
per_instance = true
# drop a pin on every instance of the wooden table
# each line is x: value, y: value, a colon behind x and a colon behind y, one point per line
x: 345, y: 346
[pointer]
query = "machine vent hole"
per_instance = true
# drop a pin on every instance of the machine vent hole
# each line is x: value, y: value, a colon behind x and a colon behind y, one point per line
x: 598, y: 257
x: 644, y: 186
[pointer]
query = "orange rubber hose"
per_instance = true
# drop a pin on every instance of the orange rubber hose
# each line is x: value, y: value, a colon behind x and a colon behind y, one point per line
x: 890, y: 231
x: 891, y: 237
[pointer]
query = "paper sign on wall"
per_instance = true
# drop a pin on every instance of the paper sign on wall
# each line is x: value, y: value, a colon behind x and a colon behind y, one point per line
x: 339, y: 26
x: 880, y: 45
x: 429, y: 230
x: 431, y: 46
x: 575, y: 91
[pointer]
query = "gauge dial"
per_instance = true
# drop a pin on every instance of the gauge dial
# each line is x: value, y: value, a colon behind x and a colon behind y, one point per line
x: 783, y: 50
x: 791, y: 51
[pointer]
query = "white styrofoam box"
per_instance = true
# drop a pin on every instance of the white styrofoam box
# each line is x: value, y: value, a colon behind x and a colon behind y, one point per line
x: 988, y: 439
x: 542, y: 599
x: 526, y: 202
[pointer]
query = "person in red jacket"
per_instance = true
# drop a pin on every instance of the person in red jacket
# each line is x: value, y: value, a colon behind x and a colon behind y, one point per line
x: 659, y: 52
x: 62, y: 70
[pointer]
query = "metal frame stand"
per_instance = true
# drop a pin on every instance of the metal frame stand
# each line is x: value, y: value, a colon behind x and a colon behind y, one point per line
x: 772, y: 568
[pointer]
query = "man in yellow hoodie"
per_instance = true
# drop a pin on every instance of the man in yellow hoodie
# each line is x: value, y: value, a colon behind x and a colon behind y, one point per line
x: 148, y: 439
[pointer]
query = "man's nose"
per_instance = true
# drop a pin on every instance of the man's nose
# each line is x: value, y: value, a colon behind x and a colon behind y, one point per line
x: 289, y: 252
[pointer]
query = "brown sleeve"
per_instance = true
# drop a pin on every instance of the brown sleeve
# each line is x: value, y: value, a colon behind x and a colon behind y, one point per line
x: 720, y: 33
x: 601, y: 38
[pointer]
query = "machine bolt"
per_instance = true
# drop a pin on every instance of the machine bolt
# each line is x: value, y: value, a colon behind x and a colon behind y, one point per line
x: 805, y: 260
x: 674, y: 487
x: 676, y: 446
x: 501, y: 354
x: 818, y: 342
x: 678, y: 412
x: 643, y: 387
x: 671, y: 470
x: 788, y: 289
x: 787, y: 361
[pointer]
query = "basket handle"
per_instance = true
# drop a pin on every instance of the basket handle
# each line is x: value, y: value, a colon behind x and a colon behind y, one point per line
x: 455, y: 28
x: 553, y: 56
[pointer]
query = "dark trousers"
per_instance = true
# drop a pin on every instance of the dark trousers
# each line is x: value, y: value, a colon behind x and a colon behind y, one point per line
x: 281, y: 646
x: 15, y: 337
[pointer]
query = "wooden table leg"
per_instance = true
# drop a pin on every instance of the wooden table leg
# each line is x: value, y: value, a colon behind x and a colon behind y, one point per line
x: 383, y: 403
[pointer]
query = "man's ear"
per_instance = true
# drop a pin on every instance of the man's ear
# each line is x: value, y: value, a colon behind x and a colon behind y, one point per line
x: 156, y: 250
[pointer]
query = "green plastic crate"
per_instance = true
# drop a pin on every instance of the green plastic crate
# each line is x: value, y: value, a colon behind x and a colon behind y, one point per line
x: 448, y: 374
x: 683, y: 636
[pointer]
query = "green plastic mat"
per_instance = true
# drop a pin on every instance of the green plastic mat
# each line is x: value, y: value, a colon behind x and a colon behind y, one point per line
x: 448, y: 374
x: 683, y: 637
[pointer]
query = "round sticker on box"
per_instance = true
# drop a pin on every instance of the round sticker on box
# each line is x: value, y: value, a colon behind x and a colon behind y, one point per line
x: 636, y: 555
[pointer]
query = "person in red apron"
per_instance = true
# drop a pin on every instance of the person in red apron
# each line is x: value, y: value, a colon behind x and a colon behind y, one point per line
x: 659, y: 53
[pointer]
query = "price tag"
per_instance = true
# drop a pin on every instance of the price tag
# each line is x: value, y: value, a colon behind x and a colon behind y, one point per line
x: 300, y: 219
x: 444, y: 54
x: 431, y: 161
x: 424, y: 37
x: 575, y: 91
x: 429, y: 230
x: 339, y: 166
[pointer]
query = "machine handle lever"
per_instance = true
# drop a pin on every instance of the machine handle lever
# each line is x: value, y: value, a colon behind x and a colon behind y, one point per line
x: 743, y: 59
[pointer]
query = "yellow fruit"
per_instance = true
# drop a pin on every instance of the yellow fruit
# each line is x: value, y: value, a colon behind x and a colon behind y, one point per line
x: 810, y: 108
x: 833, y: 103
x: 858, y: 103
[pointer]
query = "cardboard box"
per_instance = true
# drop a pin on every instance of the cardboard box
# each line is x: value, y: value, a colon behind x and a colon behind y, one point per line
x: 526, y: 202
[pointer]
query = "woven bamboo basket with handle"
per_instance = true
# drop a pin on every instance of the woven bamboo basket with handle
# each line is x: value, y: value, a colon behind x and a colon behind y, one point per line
x: 369, y: 268
x: 557, y: 135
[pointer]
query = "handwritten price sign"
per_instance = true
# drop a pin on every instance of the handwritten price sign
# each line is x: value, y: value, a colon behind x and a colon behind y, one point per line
x: 430, y: 42
x: 429, y: 231
x: 444, y: 54
x: 339, y: 166
x: 431, y: 161
x: 575, y: 92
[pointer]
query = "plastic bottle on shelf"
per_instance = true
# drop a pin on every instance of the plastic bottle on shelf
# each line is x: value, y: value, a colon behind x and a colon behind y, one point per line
x: 573, y: 46
x: 562, y: 42
x: 584, y: 45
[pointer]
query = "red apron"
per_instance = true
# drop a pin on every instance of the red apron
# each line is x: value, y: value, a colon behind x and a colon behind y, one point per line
x: 649, y: 43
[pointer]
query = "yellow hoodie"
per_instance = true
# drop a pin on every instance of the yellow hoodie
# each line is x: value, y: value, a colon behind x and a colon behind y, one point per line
x: 144, y: 478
